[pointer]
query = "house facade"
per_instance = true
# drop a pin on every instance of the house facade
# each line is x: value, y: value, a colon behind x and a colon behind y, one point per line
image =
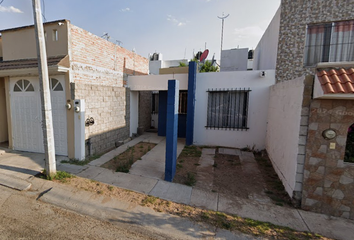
x: 311, y: 106
x: 81, y: 67
x: 230, y: 108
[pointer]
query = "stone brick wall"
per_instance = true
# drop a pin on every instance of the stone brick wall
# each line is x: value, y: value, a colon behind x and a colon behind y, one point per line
x: 98, y: 71
x: 295, y: 15
x: 97, y: 61
x: 328, y: 180
x: 145, y: 110
x: 110, y: 109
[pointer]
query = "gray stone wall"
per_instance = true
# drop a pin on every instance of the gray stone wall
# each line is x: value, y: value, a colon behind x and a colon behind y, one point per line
x: 145, y: 110
x: 305, y: 112
x: 328, y: 180
x: 295, y: 15
x: 109, y: 107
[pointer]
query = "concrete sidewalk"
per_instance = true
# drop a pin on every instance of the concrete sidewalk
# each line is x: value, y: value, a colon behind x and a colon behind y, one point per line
x: 150, y: 182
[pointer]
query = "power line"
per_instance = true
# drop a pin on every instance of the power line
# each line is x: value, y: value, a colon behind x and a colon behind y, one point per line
x: 43, y: 12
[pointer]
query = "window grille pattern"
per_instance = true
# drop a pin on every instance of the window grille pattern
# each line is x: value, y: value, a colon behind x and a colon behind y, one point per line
x: 23, y: 85
x: 329, y: 42
x: 228, y: 109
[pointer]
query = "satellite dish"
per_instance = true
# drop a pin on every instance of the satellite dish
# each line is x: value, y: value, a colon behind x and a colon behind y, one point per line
x: 204, y: 55
x: 213, y: 61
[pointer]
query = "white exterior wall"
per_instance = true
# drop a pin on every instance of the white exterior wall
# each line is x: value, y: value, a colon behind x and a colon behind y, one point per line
x: 173, y: 63
x: 134, y: 112
x: 156, y: 82
x: 234, y: 60
x: 257, y: 109
x: 154, y: 67
x: 265, y: 54
x: 282, y: 142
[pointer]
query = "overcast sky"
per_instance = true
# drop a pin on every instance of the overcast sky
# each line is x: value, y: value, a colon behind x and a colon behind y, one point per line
x: 172, y: 27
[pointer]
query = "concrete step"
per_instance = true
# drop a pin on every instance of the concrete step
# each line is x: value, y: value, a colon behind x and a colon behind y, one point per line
x: 14, y: 182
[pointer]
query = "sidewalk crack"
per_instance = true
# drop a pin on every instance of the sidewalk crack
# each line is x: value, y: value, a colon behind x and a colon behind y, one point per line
x: 308, y: 228
x: 44, y: 192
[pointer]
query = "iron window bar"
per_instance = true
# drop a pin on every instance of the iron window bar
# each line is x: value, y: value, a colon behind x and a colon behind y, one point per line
x: 228, y: 108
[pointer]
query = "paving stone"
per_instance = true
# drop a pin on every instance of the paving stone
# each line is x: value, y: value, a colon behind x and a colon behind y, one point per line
x: 204, y: 199
x: 230, y: 151
x: 71, y: 168
x: 91, y: 172
x: 209, y: 151
x: 172, y: 191
x: 14, y: 182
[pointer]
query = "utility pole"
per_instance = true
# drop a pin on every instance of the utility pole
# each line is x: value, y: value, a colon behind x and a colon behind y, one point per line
x: 47, y: 119
x: 222, y: 28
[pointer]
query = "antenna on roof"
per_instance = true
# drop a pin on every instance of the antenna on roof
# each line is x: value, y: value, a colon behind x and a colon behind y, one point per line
x: 105, y: 36
x: 222, y: 27
x: 119, y: 42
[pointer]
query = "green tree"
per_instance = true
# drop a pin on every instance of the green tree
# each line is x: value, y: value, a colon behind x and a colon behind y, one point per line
x: 208, y: 67
x: 182, y: 64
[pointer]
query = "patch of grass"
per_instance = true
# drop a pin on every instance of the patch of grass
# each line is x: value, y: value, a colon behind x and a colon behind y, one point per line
x: 179, y: 166
x: 124, y: 167
x: 82, y: 162
x: 191, y: 151
x: 215, y: 165
x: 99, y: 192
x: 149, y: 200
x: 196, y: 164
x: 59, y: 176
x: 110, y: 188
x: 190, y: 179
x: 181, y: 161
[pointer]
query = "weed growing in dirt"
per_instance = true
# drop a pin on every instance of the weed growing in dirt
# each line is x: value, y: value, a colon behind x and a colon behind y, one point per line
x: 149, y: 200
x: 82, y: 162
x: 191, y: 151
x: 190, y: 179
x: 60, y: 176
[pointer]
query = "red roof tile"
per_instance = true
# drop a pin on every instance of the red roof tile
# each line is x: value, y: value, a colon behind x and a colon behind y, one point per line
x: 337, y: 80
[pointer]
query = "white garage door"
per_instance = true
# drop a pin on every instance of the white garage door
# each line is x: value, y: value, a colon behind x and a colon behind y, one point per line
x: 27, y: 117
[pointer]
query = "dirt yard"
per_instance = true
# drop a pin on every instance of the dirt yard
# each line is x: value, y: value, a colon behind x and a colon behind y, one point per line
x: 124, y: 161
x: 230, y: 177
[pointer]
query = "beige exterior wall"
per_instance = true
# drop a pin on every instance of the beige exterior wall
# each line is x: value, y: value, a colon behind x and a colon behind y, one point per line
x: 3, y: 114
x: 174, y: 70
x: 0, y: 46
x: 21, y: 43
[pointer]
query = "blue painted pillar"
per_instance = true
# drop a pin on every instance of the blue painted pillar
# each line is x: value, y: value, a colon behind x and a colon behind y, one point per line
x: 171, y: 129
x: 192, y: 76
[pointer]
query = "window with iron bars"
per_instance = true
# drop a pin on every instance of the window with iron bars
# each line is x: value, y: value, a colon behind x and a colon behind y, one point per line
x: 228, y: 109
x: 329, y: 42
